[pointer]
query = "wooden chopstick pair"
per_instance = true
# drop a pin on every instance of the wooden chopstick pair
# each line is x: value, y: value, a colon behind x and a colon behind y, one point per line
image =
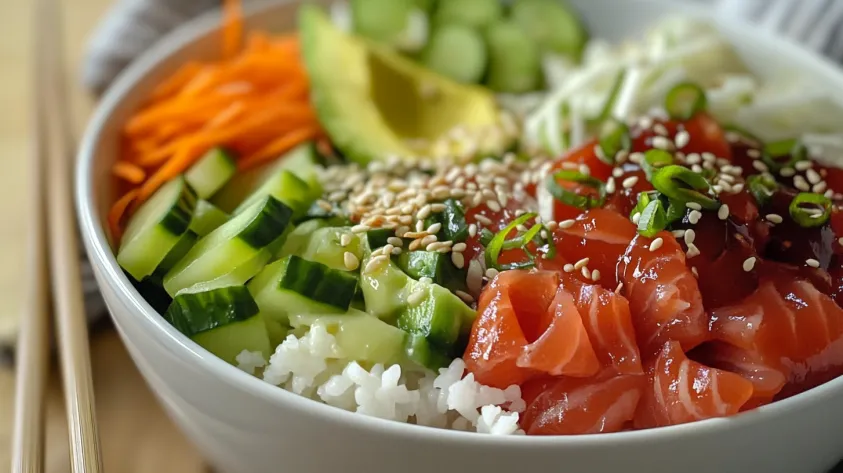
x: 53, y: 260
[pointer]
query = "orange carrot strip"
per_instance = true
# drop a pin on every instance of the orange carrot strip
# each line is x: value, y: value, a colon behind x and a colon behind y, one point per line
x: 115, y: 214
x: 175, y: 81
x: 232, y: 31
x: 128, y: 172
x: 277, y: 147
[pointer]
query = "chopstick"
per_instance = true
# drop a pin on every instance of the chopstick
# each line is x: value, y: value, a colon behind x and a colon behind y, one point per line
x: 32, y: 354
x: 68, y: 303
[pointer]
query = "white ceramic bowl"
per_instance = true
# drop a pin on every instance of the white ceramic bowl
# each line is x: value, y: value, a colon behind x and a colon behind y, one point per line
x: 245, y: 425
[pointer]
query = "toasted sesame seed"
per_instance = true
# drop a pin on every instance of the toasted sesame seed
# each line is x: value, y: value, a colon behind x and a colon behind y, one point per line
x: 723, y: 212
x: 360, y: 228
x: 803, y: 165
x: 682, y: 139
x: 458, y: 259
x: 472, y: 230
x: 774, y: 218
x: 693, y: 205
x: 551, y: 225
x: 749, y: 263
x: 416, y: 297
x: 396, y: 251
x: 395, y: 241
x: 566, y: 223
x: 656, y: 244
x: 419, y: 226
x: 434, y: 228
x: 840, y: 241
x: 350, y: 261
x: 581, y: 263
x: 428, y: 240
x: 708, y: 157
x: 694, y: 216
x: 737, y: 187
x: 820, y: 187
x: 692, y: 251
x: 438, y: 208
x: 629, y: 182
x: 787, y: 172
x: 595, y: 275
x: 585, y: 272
x: 610, y: 186
x: 812, y: 263
x: 753, y: 153
x: 598, y: 151
x: 414, y: 245
x: 660, y: 142
x: 491, y: 273
x: 474, y: 277
x: 660, y: 129
x: 459, y: 247
x: 829, y: 193
x: 617, y: 172
x: 493, y: 205
x: 483, y: 219
x: 812, y: 176
x: 345, y: 239
x: 636, y: 217
x: 376, y: 263
x: 568, y: 268
x: 690, y: 236
x: 727, y: 177
x: 636, y: 157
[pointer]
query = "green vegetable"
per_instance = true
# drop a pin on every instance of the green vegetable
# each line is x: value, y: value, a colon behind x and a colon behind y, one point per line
x: 452, y: 218
x: 207, y: 218
x: 783, y: 154
x: 655, y: 159
x: 514, y: 60
x: 762, y: 187
x: 609, y: 105
x: 212, y: 172
x: 614, y: 138
x: 551, y: 24
x: 458, y: 52
x: 381, y: 20
x: 653, y: 219
x: 499, y: 241
x: 573, y: 199
x: 682, y: 184
x: 810, y: 210
x: 468, y: 13
x: 685, y: 100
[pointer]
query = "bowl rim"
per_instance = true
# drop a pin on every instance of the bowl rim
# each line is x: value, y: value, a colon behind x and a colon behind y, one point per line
x: 103, y: 258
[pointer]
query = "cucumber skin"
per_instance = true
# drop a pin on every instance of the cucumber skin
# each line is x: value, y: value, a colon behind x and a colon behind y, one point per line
x: 215, y: 158
x: 229, y: 341
x: 195, y: 313
x: 268, y: 224
x: 317, y: 282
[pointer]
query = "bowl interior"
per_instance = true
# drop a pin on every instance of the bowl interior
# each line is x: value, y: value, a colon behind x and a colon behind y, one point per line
x: 611, y: 19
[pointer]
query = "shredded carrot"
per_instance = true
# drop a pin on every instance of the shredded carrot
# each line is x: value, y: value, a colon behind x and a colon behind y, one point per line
x: 254, y: 101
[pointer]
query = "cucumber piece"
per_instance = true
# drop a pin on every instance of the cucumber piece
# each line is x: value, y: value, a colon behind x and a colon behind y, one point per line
x: 426, y: 6
x: 293, y: 285
x: 377, y: 238
x: 156, y: 227
x: 360, y: 336
x: 235, y: 251
x: 380, y: 20
x: 514, y: 60
x: 287, y: 188
x: 418, y: 350
x: 325, y: 246
x: 438, y: 315
x: 383, y: 290
x: 458, y: 52
x: 298, y: 239
x: 436, y: 266
x: 175, y: 255
x: 153, y: 294
x: 208, y: 175
x: 470, y: 13
x: 302, y: 161
x: 207, y: 218
x: 552, y: 25
x: 224, y: 321
x: 454, y: 226
x: 277, y: 331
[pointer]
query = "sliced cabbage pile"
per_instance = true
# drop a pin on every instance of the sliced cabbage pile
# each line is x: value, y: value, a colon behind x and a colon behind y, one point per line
x: 632, y: 78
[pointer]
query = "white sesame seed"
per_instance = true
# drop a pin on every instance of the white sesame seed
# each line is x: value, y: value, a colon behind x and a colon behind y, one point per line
x: 419, y: 226
x: 618, y: 289
x: 737, y: 187
x: 812, y: 263
x: 585, y: 272
x: 464, y: 296
x: 491, y: 273
x: 472, y: 230
x: 428, y: 240
x: 483, y: 219
x: 416, y: 297
x: 696, y: 168
x: 396, y: 251
x: 636, y: 217
x: 345, y: 239
x: 682, y: 139
x: 376, y: 263
x: 583, y: 168
x: 760, y: 166
x: 694, y: 216
x: 387, y: 249
x: 656, y: 244
x: 774, y: 218
x: 493, y: 205
x: 425, y: 280
x: 629, y: 182
x: 598, y: 151
x: 723, y: 212
x: 610, y: 186
x: 679, y: 233
x: 660, y: 129
x: 813, y: 176
x: 694, y: 270
x: 690, y: 236
x: 437, y: 208
x: 803, y: 165
x: 800, y: 183
x: 636, y: 157
x: 458, y: 259
x: 660, y: 142
x: 474, y: 277
x: 360, y: 228
x: 645, y: 122
x: 749, y: 264
x: 820, y: 187
x: 568, y: 268
x: 829, y: 193
x: 395, y: 241
x: 753, y: 153
x: 551, y: 225
x: 693, y: 158
x: 434, y: 228
x: 350, y: 261
x: 617, y: 172
x: 787, y: 172
x: 566, y: 223
x: 693, y: 205
x: 581, y: 263
x: 692, y: 251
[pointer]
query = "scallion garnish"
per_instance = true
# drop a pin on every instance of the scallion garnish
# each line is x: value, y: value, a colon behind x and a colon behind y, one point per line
x: 762, y: 187
x: 655, y: 159
x: 498, y: 244
x: 614, y: 138
x: 685, y: 100
x: 810, y: 210
x: 653, y: 219
x: 742, y: 133
x: 783, y: 154
x: 582, y: 202
x: 682, y: 184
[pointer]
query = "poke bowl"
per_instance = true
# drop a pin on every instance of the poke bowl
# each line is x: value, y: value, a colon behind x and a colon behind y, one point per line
x: 591, y: 237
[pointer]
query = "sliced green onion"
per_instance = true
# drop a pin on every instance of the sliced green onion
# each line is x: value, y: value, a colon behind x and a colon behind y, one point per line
x: 762, y: 187
x: 486, y: 236
x: 783, y: 154
x: 582, y: 202
x: 655, y: 159
x: 644, y: 199
x: 675, y: 211
x: 614, y: 138
x: 496, y: 245
x: 653, y: 219
x: 685, y: 100
x: 682, y: 184
x: 810, y: 210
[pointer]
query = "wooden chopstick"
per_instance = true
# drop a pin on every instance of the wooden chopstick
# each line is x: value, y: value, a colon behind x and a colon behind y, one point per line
x: 69, y: 307
x: 32, y: 354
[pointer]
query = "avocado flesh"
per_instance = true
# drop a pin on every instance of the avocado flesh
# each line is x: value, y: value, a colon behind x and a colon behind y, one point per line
x: 372, y: 101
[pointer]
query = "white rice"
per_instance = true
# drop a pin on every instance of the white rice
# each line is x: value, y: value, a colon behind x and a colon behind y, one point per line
x: 313, y: 366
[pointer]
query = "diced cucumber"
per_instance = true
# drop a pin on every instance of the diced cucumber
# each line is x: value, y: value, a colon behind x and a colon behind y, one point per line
x: 552, y: 25
x: 207, y: 218
x: 208, y: 175
x: 325, y: 246
x: 419, y: 351
x: 224, y: 321
x: 360, y: 336
x: 458, y: 52
x: 436, y: 266
x: 514, y: 60
x: 438, y: 315
x: 235, y: 251
x: 454, y: 226
x: 156, y: 227
x: 153, y: 293
x: 277, y: 331
x: 287, y: 188
x: 301, y: 161
x: 380, y: 20
x: 293, y: 285
x: 185, y: 243
x: 298, y: 239
x: 377, y: 238
x: 383, y: 290
x: 425, y: 5
x: 470, y: 13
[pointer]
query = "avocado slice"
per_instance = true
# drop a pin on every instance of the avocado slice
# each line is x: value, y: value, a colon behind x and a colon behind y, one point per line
x: 375, y: 103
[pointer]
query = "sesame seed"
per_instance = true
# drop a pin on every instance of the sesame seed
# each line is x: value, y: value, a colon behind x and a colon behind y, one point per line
x: 415, y: 298
x: 660, y: 129
x: 749, y: 263
x: 829, y: 193
x: 595, y: 275
x: 694, y: 216
x: 437, y: 208
x: 583, y: 168
x: 753, y: 153
x: 350, y: 261
x: 491, y: 273
x: 693, y: 158
x: 774, y: 218
x: 737, y: 187
x: 682, y: 139
x: 696, y: 168
x: 483, y: 219
x: 645, y: 122
x: 474, y: 277
x: 493, y: 205
x: 693, y: 205
x: 840, y: 241
x: 585, y: 272
x: 820, y: 187
x: 345, y: 239
x: 656, y: 244
x: 629, y: 182
x: 690, y: 236
x: 395, y: 241
x: 458, y: 259
x: 360, y: 228
x: 459, y: 247
x: 428, y: 240
x: 692, y: 251
x: 813, y: 176
x: 464, y: 296
x: 694, y: 270
x: 396, y: 251
x: 804, y: 166
x: 376, y: 263
x: 679, y: 233
x: 787, y: 172
x: 610, y: 186
x: 812, y: 263
x: 414, y: 245
x: 581, y: 263
x: 434, y: 228
x: 598, y: 151
x: 636, y: 157
x: 568, y: 268
x: 425, y: 280
x: 636, y: 217
x: 723, y: 212
x: 617, y: 172
x: 726, y: 177
x: 472, y: 230
x: 566, y: 223
x: 660, y: 142
x: 551, y: 225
